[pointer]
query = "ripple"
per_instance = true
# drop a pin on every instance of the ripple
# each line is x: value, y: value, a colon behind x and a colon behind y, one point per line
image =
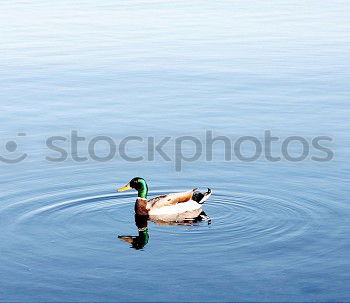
x: 237, y: 218
x: 75, y: 206
x: 242, y: 217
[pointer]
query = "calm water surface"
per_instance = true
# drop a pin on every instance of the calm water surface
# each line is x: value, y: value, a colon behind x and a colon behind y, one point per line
x: 278, y: 231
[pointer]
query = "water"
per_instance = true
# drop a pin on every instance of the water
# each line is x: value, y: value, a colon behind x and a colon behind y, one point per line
x: 278, y: 231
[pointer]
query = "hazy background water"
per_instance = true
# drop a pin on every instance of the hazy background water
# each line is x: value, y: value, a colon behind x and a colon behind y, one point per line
x: 279, y: 231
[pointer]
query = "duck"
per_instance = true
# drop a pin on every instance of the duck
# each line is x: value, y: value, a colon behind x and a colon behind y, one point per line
x: 166, y: 207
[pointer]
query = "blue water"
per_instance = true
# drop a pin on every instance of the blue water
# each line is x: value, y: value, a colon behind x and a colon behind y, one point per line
x: 279, y: 231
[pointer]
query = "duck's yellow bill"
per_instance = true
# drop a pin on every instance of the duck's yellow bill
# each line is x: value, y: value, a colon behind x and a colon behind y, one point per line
x: 126, y: 187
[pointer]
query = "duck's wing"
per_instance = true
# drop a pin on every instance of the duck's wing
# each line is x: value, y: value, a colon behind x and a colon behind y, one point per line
x: 170, y: 199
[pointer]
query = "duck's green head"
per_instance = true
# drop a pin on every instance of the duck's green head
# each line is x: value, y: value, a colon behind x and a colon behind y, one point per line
x: 138, y: 184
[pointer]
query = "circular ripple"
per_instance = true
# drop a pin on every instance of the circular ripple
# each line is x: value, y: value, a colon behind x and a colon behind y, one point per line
x: 242, y: 217
x: 236, y: 218
x: 251, y: 216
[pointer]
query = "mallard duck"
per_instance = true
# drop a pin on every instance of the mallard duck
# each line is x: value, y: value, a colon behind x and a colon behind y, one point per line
x: 165, y: 205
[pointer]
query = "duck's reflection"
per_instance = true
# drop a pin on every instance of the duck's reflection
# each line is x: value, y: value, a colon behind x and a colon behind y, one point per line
x: 138, y: 242
x: 141, y: 222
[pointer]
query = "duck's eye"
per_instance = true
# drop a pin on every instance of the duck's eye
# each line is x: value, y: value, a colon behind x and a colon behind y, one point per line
x: 133, y: 183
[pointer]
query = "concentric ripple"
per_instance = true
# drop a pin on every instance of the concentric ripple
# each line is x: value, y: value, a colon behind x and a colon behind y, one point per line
x: 252, y: 216
x: 69, y: 227
x: 237, y: 218
x: 247, y: 218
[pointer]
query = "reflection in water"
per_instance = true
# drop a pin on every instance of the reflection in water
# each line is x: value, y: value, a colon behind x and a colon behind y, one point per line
x: 138, y: 242
x: 141, y: 222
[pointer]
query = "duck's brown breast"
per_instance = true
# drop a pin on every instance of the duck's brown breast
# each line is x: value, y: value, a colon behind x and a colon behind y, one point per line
x: 140, y: 207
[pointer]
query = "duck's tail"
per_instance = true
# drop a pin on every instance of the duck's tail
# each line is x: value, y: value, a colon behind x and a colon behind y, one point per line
x: 201, y: 198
